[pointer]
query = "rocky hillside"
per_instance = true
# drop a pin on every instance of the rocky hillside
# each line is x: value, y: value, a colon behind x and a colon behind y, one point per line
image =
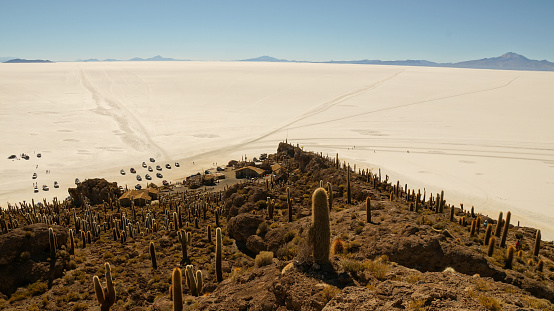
x: 361, y: 242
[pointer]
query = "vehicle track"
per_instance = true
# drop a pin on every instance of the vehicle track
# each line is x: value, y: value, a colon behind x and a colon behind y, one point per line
x: 136, y: 134
x: 405, y: 105
x: 314, y: 111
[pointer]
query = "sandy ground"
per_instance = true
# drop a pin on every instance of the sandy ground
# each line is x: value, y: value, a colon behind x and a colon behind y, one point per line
x: 485, y: 137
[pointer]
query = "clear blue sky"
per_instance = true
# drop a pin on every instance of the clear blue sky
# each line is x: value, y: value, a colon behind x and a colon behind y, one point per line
x: 440, y: 30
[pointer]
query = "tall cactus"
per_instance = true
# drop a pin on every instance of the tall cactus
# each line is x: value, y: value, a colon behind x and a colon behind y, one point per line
x: 185, y: 239
x: 289, y: 203
x: 368, y: 209
x: 492, y: 242
x: 177, y: 289
x: 348, y: 191
x: 218, y: 255
x: 498, y: 226
x: 505, y: 232
x: 473, y: 226
x: 320, y: 231
x: 330, y: 195
x: 153, y: 256
x: 537, y: 247
x: 270, y: 208
x: 509, y: 257
x: 488, y: 233
x: 105, y: 296
x: 53, y: 246
x: 71, y: 243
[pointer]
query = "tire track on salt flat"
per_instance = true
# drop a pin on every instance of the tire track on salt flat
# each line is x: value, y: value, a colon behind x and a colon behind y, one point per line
x: 315, y: 111
x: 136, y: 134
x: 405, y: 105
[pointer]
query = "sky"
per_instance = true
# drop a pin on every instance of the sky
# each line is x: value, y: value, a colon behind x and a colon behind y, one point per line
x: 440, y: 31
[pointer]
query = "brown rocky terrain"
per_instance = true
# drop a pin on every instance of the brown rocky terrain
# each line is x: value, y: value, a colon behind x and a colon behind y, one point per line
x: 418, y: 259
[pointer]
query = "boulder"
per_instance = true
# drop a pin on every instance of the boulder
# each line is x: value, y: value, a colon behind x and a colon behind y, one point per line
x: 96, y: 190
x: 24, y: 256
x: 255, y: 244
x: 243, y: 225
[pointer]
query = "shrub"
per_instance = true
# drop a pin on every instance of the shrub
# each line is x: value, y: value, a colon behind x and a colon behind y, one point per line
x: 338, y: 246
x: 379, y: 268
x: 329, y: 292
x: 352, y: 266
x: 37, y: 288
x: 289, y: 236
x: 80, y: 306
x: 25, y: 256
x: 262, y: 229
x: 490, y: 303
x: 264, y: 259
x: 261, y: 204
x: 353, y: 247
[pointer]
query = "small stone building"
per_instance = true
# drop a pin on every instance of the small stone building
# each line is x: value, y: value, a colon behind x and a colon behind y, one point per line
x: 249, y: 172
x: 139, y: 197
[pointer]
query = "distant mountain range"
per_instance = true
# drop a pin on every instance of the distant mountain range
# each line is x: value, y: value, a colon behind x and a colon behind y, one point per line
x: 508, y: 61
x: 18, y: 60
x: 156, y: 58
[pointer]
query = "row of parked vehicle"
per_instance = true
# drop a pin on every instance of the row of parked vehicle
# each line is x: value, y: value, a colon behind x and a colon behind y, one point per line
x: 150, y: 169
x: 45, y: 187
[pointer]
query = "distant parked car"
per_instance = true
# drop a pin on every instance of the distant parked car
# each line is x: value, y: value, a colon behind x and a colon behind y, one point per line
x: 56, y: 185
x: 168, y: 166
x: 152, y: 160
x: 144, y: 164
x: 147, y: 177
x: 122, y: 172
x: 39, y: 155
x: 220, y: 169
x: 36, y: 189
x: 34, y: 175
x: 45, y: 188
x: 159, y: 175
x: 159, y: 168
x: 150, y: 168
x: 138, y: 186
x: 139, y: 178
x: 133, y: 170
x: 177, y: 164
x: 121, y: 188
x: 165, y: 183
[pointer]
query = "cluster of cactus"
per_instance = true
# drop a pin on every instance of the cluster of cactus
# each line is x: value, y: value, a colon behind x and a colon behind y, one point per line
x: 105, y: 296
x: 194, y: 280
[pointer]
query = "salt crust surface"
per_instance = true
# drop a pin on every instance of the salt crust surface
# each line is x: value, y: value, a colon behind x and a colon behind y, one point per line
x: 486, y: 137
